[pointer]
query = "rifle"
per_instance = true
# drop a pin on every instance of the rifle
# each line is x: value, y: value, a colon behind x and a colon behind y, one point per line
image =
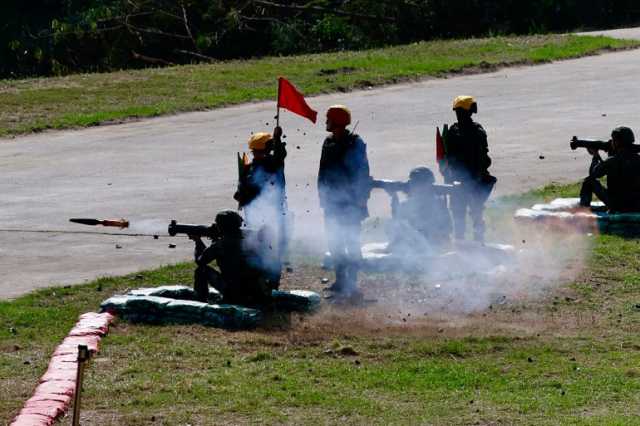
x: 597, y: 145
x: 210, y: 231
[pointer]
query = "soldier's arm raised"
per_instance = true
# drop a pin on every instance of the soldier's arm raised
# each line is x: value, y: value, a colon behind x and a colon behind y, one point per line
x: 279, y: 147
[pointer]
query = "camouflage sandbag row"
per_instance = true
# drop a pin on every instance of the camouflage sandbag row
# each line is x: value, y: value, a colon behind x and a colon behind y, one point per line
x: 285, y: 301
x: 161, y: 310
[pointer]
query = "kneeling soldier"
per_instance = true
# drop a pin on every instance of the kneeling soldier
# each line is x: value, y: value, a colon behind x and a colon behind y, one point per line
x: 622, y: 170
x: 240, y: 277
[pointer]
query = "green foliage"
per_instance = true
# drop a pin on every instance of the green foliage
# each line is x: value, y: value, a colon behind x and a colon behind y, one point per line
x: 90, y: 99
x: 45, y: 37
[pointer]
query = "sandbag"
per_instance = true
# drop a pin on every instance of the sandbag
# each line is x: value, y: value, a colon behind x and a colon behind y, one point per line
x: 178, y: 292
x: 56, y: 388
x: 296, y: 301
x: 566, y: 205
x: 32, y: 420
x: 153, y: 309
x: 568, y: 214
x: 50, y: 409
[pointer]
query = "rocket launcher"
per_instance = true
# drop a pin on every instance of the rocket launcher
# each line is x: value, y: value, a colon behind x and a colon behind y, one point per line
x: 597, y: 145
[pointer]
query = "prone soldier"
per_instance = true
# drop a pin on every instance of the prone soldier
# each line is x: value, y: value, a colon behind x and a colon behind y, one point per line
x: 467, y: 161
x: 240, y: 277
x: 424, y: 215
x: 343, y: 188
x: 622, y: 169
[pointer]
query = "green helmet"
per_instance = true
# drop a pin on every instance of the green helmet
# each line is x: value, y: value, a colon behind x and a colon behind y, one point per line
x: 422, y: 174
x: 228, y: 221
x: 624, y: 135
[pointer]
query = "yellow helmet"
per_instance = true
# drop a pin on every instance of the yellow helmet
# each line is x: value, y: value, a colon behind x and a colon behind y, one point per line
x: 339, y: 115
x: 258, y: 141
x: 464, y: 102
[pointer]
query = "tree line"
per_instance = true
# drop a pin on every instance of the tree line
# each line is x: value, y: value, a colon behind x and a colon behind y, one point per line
x: 56, y: 37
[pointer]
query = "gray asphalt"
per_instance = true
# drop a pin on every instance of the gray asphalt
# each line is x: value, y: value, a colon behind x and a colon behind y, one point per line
x: 184, y: 166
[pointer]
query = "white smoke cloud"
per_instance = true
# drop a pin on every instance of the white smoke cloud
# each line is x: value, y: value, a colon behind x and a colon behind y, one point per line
x: 463, y: 279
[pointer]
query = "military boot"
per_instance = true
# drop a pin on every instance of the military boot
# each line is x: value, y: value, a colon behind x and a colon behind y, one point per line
x: 340, y: 284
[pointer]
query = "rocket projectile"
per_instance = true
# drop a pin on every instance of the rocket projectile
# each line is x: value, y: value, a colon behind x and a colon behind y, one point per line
x: 90, y: 222
x: 116, y: 223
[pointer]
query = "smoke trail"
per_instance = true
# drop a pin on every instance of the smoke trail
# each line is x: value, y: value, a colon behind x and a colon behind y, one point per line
x: 152, y: 227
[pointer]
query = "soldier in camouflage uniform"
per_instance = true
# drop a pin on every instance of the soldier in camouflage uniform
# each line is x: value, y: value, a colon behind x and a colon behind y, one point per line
x: 261, y: 194
x: 423, y: 218
x: 344, y: 187
x: 240, y: 277
x: 622, y: 170
x: 467, y: 162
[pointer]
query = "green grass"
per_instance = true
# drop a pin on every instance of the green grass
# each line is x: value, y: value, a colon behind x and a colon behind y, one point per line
x: 90, y: 99
x: 571, y: 358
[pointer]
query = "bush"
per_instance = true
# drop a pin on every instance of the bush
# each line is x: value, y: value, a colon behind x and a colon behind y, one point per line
x: 44, y: 37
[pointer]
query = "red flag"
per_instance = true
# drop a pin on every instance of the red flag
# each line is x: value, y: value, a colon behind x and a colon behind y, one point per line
x: 289, y: 98
x: 439, y: 146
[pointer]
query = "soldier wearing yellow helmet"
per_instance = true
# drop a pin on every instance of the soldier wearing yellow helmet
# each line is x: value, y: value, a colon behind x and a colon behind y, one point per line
x: 343, y: 187
x: 266, y: 168
x: 261, y: 192
x: 467, y: 161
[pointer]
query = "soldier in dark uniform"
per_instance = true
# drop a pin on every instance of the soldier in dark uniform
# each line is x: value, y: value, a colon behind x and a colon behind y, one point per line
x: 467, y: 162
x: 261, y: 193
x: 622, y: 170
x: 424, y: 215
x: 240, y: 277
x: 343, y: 187
x: 265, y: 172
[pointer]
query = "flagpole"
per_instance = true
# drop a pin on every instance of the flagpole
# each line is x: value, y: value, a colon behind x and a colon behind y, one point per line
x: 278, y: 105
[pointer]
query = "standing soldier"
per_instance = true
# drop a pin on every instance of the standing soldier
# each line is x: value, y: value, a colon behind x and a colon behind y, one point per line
x: 467, y: 162
x: 343, y: 187
x: 261, y: 192
x: 622, y: 170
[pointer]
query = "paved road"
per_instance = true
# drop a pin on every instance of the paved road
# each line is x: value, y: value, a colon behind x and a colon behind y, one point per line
x: 628, y: 33
x: 183, y: 166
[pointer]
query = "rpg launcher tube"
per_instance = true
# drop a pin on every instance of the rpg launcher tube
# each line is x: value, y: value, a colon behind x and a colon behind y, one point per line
x: 598, y: 145
x: 400, y: 186
x: 389, y: 185
x: 176, y: 228
x: 590, y: 144
x: 114, y: 223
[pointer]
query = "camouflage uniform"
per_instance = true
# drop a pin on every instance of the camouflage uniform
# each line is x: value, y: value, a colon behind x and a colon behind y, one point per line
x: 427, y: 214
x: 622, y: 193
x: 264, y: 180
x: 343, y: 187
x: 240, y: 278
x: 468, y: 162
